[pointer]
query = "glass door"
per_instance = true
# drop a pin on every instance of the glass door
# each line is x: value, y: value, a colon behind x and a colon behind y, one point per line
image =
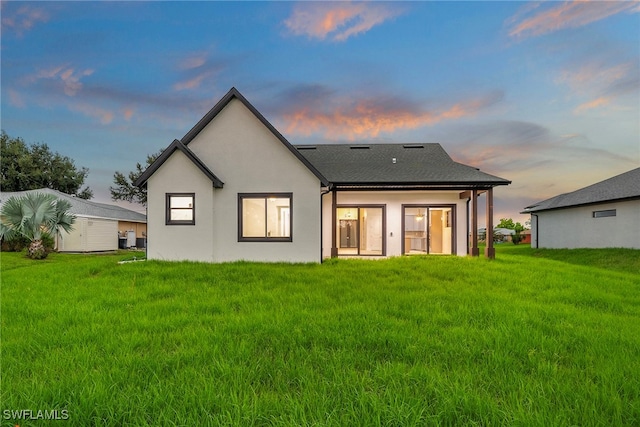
x: 428, y: 230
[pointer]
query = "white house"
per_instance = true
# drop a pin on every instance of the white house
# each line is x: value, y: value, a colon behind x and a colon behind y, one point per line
x: 602, y: 215
x: 233, y: 188
x: 98, y: 226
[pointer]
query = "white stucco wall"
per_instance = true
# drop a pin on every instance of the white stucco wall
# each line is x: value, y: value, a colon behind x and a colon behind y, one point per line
x: 179, y: 242
x: 393, y: 200
x: 248, y: 158
x: 576, y: 228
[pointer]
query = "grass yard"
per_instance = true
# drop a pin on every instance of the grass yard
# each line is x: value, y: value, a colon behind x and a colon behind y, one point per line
x: 533, y: 338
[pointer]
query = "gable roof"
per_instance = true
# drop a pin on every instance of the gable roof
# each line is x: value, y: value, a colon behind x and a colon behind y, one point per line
x: 177, y: 145
x: 235, y: 94
x: 394, y: 165
x: 625, y: 186
x: 84, y: 208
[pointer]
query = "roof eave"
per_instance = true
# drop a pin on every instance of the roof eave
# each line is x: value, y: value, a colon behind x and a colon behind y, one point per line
x: 532, y: 209
x: 448, y: 185
x: 177, y: 145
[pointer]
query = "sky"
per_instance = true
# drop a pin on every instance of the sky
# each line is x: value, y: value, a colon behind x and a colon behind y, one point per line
x: 545, y: 94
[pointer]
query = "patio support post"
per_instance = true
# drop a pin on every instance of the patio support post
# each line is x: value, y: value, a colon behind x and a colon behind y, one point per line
x: 474, y: 224
x: 490, y: 251
x: 334, y: 221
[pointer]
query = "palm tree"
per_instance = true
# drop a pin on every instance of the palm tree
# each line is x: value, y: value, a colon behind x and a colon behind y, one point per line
x: 33, y: 216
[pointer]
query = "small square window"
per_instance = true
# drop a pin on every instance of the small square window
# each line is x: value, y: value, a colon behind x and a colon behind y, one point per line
x: 181, y: 209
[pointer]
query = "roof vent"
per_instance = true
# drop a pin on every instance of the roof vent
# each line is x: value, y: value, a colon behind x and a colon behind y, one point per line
x: 359, y: 147
x: 305, y: 147
x: 394, y: 160
x: 413, y: 146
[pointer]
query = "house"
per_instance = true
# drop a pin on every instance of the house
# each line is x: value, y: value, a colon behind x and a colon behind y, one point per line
x: 98, y: 226
x: 233, y: 188
x: 504, y: 234
x: 605, y: 214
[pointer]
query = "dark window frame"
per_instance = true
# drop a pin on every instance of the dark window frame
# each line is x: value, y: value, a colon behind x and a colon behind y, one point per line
x: 606, y: 213
x: 452, y: 219
x: 168, y: 209
x: 384, y: 227
x: 265, y: 197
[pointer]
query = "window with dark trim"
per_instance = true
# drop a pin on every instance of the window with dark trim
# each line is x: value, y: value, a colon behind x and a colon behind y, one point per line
x: 265, y: 217
x: 605, y: 213
x: 181, y: 209
x: 360, y: 230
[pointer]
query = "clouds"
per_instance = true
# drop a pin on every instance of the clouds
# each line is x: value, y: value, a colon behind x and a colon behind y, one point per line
x: 338, y: 21
x: 317, y: 110
x: 197, y: 68
x: 68, y: 76
x: 23, y: 19
x: 530, y: 21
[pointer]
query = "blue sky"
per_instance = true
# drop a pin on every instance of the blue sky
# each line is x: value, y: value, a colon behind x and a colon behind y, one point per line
x: 544, y: 94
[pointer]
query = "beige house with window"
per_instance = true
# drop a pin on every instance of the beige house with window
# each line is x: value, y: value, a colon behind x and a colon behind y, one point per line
x: 233, y: 188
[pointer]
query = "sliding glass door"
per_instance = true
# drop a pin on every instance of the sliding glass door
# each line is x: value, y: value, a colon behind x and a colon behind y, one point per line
x: 360, y: 230
x: 428, y: 230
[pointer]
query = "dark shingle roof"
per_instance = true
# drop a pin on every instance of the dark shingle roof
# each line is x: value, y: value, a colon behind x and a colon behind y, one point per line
x: 85, y: 208
x: 374, y: 164
x: 621, y: 187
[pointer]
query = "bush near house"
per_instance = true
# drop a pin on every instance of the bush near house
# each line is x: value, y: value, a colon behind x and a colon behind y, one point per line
x: 405, y: 341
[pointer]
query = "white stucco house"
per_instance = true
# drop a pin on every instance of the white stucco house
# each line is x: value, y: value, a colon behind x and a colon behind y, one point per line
x: 233, y: 188
x: 602, y: 215
x: 98, y: 226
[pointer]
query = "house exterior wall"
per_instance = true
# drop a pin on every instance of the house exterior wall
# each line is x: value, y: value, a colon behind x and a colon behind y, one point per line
x: 393, y: 202
x: 248, y: 158
x: 577, y: 228
x: 90, y: 235
x: 179, y: 242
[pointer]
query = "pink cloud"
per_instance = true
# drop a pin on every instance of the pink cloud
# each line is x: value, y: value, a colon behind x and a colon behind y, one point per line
x: 16, y: 99
x: 70, y: 77
x: 23, y: 19
x: 369, y: 118
x: 192, y: 83
x: 571, y: 14
x: 598, y: 102
x: 595, y: 74
x: 105, y: 116
x: 128, y: 113
x: 339, y: 20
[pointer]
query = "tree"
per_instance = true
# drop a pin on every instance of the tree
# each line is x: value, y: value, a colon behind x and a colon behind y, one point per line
x: 510, y: 225
x: 517, y: 227
x: 34, y: 216
x: 32, y: 167
x: 125, y: 190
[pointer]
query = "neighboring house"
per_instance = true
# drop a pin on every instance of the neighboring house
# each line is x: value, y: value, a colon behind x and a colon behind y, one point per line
x: 233, y: 188
x: 526, y: 237
x: 98, y: 226
x: 602, y: 215
x: 504, y: 234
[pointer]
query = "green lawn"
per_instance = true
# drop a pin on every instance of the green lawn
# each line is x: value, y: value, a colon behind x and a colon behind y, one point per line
x: 533, y: 338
